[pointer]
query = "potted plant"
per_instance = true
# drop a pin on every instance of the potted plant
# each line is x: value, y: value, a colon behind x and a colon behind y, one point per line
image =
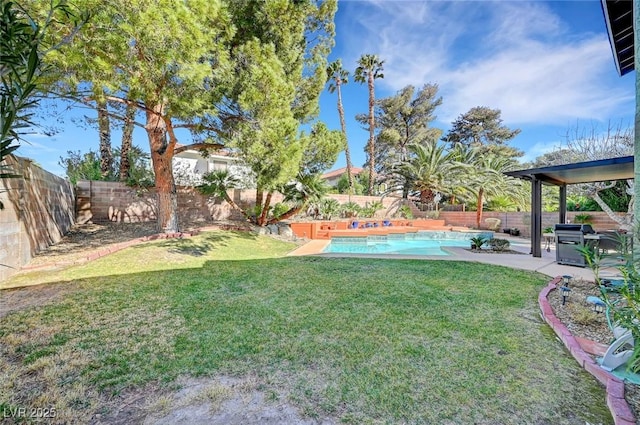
x: 548, y: 230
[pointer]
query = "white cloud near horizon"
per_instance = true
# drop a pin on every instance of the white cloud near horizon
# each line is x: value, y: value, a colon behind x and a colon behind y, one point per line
x: 518, y: 57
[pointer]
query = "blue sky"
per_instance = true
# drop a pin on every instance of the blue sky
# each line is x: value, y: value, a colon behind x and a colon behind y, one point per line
x: 547, y: 66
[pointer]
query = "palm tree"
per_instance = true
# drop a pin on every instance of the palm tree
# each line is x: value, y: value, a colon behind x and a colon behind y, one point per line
x: 307, y: 188
x: 369, y: 68
x: 336, y: 77
x: 489, y: 180
x: 217, y: 183
x: 430, y: 169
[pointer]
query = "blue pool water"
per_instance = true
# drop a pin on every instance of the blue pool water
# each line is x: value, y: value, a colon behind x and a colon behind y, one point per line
x: 420, y: 243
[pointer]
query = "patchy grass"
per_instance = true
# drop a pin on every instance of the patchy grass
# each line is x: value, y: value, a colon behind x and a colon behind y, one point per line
x: 358, y: 340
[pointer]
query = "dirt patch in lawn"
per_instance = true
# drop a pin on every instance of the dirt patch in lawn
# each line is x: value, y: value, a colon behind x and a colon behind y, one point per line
x: 207, y: 401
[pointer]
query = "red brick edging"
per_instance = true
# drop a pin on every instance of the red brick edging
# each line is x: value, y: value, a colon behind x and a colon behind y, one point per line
x: 120, y: 246
x: 620, y: 410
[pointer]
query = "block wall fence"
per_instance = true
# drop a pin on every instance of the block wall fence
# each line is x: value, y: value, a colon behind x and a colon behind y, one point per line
x: 112, y: 201
x: 39, y: 209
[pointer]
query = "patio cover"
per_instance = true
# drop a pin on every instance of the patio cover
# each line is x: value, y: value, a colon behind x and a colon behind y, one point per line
x: 562, y: 175
x: 618, y: 16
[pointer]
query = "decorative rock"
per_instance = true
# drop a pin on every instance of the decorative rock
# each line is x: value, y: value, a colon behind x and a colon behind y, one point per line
x: 286, y: 232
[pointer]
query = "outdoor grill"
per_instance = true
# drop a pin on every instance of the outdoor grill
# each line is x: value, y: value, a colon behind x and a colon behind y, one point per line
x: 570, y: 237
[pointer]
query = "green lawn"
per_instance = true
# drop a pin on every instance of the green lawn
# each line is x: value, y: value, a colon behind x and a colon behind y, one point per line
x: 357, y: 340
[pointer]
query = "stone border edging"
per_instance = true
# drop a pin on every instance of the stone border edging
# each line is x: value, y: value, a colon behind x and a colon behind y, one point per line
x: 618, y: 406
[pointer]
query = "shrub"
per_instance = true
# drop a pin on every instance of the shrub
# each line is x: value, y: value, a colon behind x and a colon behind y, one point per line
x: 372, y: 208
x: 279, y: 209
x: 350, y: 209
x: 499, y: 244
x: 583, y: 218
x: 478, y: 241
x: 433, y: 214
x: 625, y: 303
x: 328, y: 208
x: 405, y: 212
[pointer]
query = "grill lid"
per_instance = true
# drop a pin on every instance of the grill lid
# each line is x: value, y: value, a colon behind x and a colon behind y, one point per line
x: 582, y: 228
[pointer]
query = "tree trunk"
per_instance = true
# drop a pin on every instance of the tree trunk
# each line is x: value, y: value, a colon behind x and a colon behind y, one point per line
x: 259, y: 198
x: 293, y: 211
x: 265, y: 209
x: 106, y: 157
x: 127, y: 142
x: 343, y: 126
x: 161, y: 158
x: 371, y: 146
x: 235, y: 206
x: 479, y: 208
x: 612, y: 215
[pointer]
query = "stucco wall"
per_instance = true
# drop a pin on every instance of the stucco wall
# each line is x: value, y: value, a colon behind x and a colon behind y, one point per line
x: 39, y: 209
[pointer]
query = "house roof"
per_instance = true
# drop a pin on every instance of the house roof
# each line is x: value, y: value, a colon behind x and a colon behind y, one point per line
x: 618, y: 15
x: 341, y: 171
x: 581, y: 172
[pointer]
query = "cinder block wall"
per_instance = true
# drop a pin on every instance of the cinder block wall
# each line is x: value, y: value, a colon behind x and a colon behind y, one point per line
x: 39, y: 208
x: 522, y: 220
x: 112, y: 201
x: 100, y: 202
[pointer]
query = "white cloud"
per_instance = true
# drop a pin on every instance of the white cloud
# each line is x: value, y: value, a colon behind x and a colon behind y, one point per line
x: 539, y: 149
x: 515, y: 56
x: 32, y: 147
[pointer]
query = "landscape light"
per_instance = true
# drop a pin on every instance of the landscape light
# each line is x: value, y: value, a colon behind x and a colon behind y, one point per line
x: 564, y: 292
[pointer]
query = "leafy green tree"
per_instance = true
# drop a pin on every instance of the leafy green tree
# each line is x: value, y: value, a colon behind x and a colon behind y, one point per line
x: 321, y: 148
x: 488, y: 180
x: 78, y: 166
x: 370, y: 68
x: 342, y: 186
x: 168, y: 60
x: 281, y: 73
x: 337, y: 76
x: 22, y: 46
x: 482, y: 127
x: 404, y: 119
x: 88, y: 166
x: 307, y: 188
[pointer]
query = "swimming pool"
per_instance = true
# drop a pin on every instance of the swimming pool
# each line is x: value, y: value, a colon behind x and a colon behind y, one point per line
x: 416, y: 243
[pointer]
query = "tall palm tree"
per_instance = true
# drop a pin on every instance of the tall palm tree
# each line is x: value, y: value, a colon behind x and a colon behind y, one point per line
x: 369, y: 68
x: 336, y: 77
x: 489, y: 180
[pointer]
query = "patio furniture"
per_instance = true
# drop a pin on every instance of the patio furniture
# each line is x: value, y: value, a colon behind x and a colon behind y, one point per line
x: 493, y: 223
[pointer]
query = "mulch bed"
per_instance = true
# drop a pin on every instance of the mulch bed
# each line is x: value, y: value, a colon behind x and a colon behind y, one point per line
x: 582, y: 321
